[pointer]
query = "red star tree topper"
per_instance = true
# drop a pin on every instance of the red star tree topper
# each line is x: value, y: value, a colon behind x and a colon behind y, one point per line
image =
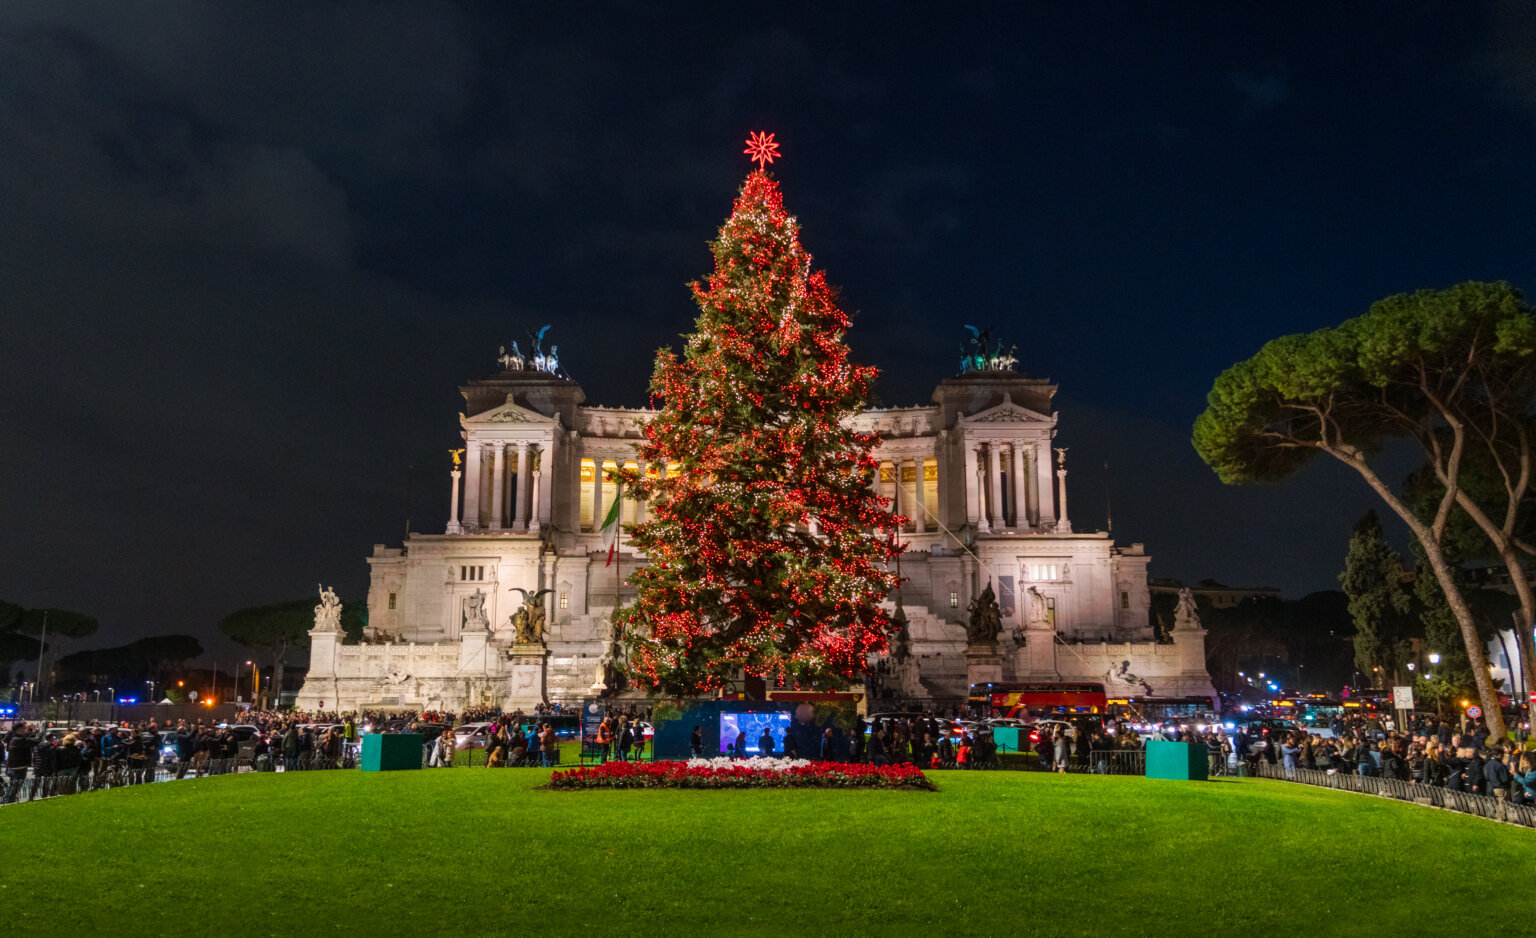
x: 752, y: 424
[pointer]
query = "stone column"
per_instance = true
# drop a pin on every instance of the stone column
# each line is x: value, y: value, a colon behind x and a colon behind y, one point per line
x: 1063, y: 524
x: 473, y: 456
x: 640, y: 504
x: 891, y: 493
x: 453, y: 505
x: 995, y: 474
x: 919, y: 500
x: 1043, y: 484
x: 597, y: 493
x: 537, y: 506
x: 545, y: 457
x: 498, y: 483
x: 1031, y: 495
x: 519, y: 511
x: 973, y: 512
x: 1020, y: 498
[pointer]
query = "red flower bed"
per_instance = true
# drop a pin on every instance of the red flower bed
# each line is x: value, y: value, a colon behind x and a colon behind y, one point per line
x: 741, y: 775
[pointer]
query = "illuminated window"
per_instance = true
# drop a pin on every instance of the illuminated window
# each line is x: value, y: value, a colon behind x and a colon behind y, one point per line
x: 1044, y: 571
x: 1050, y: 610
x: 391, y: 600
x: 565, y: 600
x: 954, y: 600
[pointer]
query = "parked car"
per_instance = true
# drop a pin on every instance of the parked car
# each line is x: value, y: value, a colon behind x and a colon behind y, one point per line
x: 472, y: 735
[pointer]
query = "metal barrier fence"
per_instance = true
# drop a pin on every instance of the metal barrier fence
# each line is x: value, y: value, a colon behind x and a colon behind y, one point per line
x: 24, y: 786
x: 1096, y: 762
x: 1428, y: 795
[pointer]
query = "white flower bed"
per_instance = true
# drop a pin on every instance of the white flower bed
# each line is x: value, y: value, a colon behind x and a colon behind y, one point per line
x: 756, y: 762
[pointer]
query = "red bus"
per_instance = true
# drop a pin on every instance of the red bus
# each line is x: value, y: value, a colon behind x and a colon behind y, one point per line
x: 1027, y: 700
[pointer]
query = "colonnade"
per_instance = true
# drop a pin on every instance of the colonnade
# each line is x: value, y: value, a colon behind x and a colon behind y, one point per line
x: 909, y: 500
x: 1021, y: 498
x: 1008, y: 484
x: 636, y: 514
x: 522, y: 510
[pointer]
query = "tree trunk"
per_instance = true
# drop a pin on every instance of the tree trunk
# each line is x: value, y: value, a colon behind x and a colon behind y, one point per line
x: 1427, y: 535
x: 1504, y: 544
x: 1475, y: 653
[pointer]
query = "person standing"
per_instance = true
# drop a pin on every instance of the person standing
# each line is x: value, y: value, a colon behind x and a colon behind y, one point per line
x: 696, y: 742
x: 623, y: 739
x: 1525, y: 779
x: 18, y: 759
x: 45, y: 762
x: 1496, y: 777
x: 829, y: 746
x: 69, y: 764
x: 548, y: 745
x: 445, y: 749
x: 765, y: 744
x: 186, y: 747
x: 604, y: 739
x: 349, y: 735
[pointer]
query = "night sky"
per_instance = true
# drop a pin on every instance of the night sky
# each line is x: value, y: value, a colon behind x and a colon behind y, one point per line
x: 248, y: 252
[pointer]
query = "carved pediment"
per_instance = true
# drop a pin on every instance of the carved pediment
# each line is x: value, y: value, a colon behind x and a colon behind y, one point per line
x: 509, y: 413
x: 1009, y: 412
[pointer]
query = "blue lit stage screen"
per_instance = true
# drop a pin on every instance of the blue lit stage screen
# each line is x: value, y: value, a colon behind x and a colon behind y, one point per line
x: 753, y: 724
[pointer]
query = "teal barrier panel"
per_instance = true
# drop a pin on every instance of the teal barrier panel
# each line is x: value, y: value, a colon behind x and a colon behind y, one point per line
x: 391, y: 752
x: 1182, y: 761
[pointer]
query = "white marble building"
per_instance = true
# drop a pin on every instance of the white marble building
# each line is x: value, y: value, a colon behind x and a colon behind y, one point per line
x: 973, y: 472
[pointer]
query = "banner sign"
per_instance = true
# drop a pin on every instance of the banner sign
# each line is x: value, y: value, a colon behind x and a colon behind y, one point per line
x: 1402, y: 698
x: 592, y: 713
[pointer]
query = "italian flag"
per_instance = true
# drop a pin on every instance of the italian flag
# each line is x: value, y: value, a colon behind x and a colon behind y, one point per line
x: 611, y: 526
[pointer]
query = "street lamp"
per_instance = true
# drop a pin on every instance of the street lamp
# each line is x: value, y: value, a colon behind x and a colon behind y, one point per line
x: 1434, y: 657
x: 151, y: 691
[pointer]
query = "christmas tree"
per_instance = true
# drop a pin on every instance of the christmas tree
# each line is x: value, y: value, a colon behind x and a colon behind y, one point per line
x: 769, y: 553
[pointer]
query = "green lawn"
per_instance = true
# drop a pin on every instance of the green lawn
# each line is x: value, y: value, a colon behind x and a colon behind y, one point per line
x: 992, y: 853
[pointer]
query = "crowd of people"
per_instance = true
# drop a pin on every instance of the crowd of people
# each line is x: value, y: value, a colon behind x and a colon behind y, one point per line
x: 931, y: 742
x: 1433, y: 755
x: 88, y: 757
x: 81, y: 758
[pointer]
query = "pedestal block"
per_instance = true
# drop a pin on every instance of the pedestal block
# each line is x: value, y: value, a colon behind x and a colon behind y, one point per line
x: 1182, y: 761
x: 983, y: 663
x: 528, y: 673
x: 1036, y: 659
x: 390, y: 752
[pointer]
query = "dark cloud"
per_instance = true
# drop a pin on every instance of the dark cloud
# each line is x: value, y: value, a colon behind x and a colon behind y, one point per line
x: 248, y: 252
